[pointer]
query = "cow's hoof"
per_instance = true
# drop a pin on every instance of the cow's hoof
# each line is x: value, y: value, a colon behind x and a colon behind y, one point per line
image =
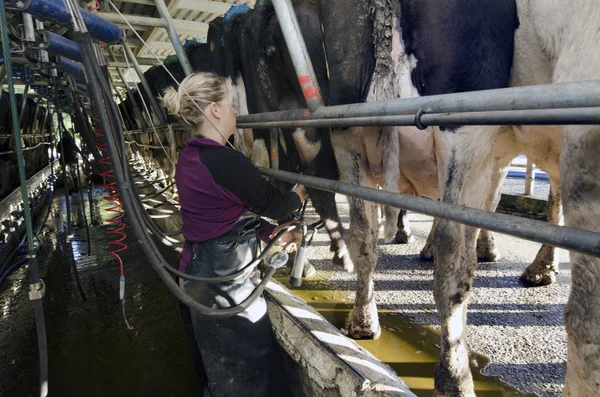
x: 426, y: 253
x: 309, y: 270
x: 343, y: 260
x: 442, y: 394
x: 363, y: 323
x: 487, y: 254
x: 458, y: 383
x: 403, y: 237
x: 538, y: 277
x: 389, y: 233
x: 358, y: 332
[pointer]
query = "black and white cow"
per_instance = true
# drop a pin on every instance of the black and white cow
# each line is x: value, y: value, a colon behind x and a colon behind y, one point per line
x: 272, y: 85
x: 386, y: 49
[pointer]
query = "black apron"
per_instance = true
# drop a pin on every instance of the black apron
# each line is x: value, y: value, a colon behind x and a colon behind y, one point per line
x: 238, y: 355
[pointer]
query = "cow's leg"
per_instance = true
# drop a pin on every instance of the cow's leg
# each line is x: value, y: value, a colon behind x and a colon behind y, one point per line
x: 486, y: 247
x: 465, y: 174
x: 353, y: 165
x: 403, y: 232
x: 544, y: 268
x: 321, y: 162
x: 427, y: 252
x: 580, y: 173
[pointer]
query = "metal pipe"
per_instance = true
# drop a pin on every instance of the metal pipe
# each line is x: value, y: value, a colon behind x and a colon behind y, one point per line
x: 36, y: 286
x: 59, y: 45
x: 152, y: 99
x: 547, y: 96
x: 29, y: 28
x: 529, y: 178
x: 75, y: 69
x: 298, y: 52
x: 55, y: 11
x: 134, y: 20
x: 162, y: 9
x: 274, y: 135
x: 23, y: 103
x: 134, y: 104
x: 542, y: 232
x: 586, y: 115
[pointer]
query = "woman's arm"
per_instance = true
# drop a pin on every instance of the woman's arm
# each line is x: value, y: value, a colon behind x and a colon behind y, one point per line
x: 236, y: 173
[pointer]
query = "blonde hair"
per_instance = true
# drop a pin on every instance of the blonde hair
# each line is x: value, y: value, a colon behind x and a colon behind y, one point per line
x: 197, y: 90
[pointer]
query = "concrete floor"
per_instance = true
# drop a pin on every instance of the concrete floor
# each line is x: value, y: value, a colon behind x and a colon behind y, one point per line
x: 521, y: 329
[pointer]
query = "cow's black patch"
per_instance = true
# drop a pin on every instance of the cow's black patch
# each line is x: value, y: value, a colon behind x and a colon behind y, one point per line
x: 460, y: 45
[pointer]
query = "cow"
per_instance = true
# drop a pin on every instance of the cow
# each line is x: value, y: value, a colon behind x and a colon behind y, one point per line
x: 409, y: 48
x: 272, y: 85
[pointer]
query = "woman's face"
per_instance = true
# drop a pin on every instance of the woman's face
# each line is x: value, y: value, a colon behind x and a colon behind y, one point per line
x: 228, y: 114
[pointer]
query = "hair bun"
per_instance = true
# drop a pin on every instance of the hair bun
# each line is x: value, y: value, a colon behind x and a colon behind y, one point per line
x: 172, y: 101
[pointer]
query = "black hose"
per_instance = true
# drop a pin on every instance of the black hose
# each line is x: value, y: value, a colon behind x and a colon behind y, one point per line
x: 152, y: 253
x: 87, y: 228
x: 64, y: 166
x: 239, y: 273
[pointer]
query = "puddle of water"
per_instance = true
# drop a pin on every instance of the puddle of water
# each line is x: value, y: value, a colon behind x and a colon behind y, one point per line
x: 410, y: 349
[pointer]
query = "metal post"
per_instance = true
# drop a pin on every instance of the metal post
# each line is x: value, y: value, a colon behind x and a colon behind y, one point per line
x: 572, y: 239
x: 159, y: 112
x: 134, y: 104
x: 162, y: 9
x: 2, y: 74
x: 274, y: 148
x: 529, y: 178
x: 297, y: 49
x: 36, y: 286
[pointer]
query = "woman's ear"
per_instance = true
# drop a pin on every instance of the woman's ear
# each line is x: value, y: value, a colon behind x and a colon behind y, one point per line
x: 214, y: 110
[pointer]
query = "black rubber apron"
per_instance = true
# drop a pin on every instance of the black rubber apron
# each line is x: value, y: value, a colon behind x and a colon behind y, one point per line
x: 239, y: 354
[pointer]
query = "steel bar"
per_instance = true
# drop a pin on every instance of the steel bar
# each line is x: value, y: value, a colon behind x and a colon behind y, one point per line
x: 192, y: 27
x: 589, y: 115
x: 529, y: 178
x: 162, y: 9
x: 298, y: 52
x: 274, y: 135
x: 542, y: 232
x: 547, y: 96
x: 159, y: 112
x: 134, y: 104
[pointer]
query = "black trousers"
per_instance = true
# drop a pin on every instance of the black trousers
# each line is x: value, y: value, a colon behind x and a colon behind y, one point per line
x: 238, y: 355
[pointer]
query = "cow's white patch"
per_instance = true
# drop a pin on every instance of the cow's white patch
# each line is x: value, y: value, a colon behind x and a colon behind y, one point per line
x: 244, y: 138
x: 308, y: 150
x: 260, y: 154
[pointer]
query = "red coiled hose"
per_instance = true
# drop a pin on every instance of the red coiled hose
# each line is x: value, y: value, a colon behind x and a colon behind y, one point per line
x: 110, y: 184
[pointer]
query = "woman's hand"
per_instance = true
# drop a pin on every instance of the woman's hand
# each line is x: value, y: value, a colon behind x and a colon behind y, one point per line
x: 291, y: 239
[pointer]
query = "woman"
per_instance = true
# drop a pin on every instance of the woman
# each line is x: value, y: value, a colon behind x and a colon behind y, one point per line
x: 218, y: 188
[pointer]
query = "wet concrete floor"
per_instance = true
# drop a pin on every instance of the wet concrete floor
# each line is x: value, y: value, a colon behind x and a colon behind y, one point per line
x: 90, y: 350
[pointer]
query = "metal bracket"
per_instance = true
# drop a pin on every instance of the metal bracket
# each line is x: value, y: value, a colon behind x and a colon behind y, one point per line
x: 418, y: 123
x: 37, y: 290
